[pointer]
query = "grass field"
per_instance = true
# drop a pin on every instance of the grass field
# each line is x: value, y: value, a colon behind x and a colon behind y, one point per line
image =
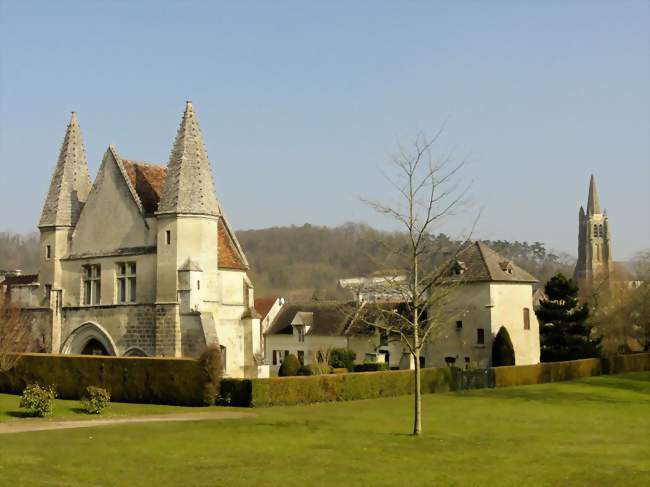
x: 590, y: 432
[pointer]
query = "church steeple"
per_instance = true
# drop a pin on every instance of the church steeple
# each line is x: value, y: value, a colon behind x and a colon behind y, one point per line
x: 593, y: 205
x: 70, y: 182
x: 594, y: 263
x: 188, y: 187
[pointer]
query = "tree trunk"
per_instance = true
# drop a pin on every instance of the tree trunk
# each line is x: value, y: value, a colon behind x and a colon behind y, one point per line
x: 417, y: 423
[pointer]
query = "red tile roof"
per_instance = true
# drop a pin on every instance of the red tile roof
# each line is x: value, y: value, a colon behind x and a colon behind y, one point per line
x: 228, y: 256
x: 147, y: 179
x: 264, y: 305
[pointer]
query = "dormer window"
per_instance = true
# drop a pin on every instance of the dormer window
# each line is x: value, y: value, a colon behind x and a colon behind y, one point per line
x: 458, y: 268
x: 301, y: 333
x: 506, y: 266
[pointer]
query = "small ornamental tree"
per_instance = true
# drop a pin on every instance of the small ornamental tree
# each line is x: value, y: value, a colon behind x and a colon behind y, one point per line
x: 211, y: 361
x: 565, y: 333
x: 15, y: 335
x: 342, y: 358
x: 290, y: 366
x: 503, y: 353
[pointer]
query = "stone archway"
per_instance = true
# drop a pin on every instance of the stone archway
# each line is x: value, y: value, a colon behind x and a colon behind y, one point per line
x: 89, y: 339
x: 135, y: 352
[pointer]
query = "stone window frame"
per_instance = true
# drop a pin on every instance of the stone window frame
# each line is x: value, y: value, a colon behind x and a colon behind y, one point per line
x: 91, y: 284
x: 126, y: 282
x: 480, y: 337
x: 527, y: 319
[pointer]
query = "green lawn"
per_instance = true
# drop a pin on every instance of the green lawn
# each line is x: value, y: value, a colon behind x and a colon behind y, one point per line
x: 589, y: 432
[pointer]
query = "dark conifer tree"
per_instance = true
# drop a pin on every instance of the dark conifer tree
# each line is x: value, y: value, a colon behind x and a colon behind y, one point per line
x: 565, y: 332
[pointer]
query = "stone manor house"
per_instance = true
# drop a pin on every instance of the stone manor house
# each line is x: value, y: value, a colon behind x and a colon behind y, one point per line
x: 492, y: 292
x: 142, y: 262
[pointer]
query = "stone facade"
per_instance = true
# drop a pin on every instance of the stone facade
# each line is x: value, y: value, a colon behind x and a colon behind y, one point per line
x: 142, y: 262
x: 492, y: 292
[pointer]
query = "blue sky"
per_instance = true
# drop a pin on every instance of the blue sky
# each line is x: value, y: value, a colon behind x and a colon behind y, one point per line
x: 301, y: 103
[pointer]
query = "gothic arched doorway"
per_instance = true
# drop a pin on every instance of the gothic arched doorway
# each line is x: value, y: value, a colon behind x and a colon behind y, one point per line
x: 89, y: 339
x: 93, y: 347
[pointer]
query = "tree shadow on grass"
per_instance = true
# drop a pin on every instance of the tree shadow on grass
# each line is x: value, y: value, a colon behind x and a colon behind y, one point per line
x: 19, y: 414
x: 593, y: 390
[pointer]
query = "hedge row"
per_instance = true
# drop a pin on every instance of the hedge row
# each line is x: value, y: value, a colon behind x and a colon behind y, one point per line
x: 282, y: 391
x: 128, y: 379
x: 519, y: 375
x: 637, y: 362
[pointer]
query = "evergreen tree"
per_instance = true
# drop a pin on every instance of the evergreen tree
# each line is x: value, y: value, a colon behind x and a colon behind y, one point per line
x: 565, y: 332
x: 503, y: 353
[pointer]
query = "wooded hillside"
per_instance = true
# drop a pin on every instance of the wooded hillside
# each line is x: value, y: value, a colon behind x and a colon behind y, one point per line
x: 300, y: 261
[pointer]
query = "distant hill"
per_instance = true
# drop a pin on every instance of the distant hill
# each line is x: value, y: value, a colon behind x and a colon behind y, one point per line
x: 303, y: 261
x: 300, y: 261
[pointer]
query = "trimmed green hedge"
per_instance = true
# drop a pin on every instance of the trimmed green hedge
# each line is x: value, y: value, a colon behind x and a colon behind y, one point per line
x: 285, y: 391
x: 518, y: 375
x: 634, y: 362
x: 128, y: 379
x: 371, y: 367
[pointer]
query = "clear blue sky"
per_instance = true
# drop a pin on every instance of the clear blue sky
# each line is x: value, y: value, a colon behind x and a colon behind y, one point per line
x: 301, y: 102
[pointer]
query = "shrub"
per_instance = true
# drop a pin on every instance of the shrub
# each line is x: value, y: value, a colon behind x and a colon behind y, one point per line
x: 95, y: 400
x: 503, y: 353
x: 371, y: 367
x: 290, y: 366
x: 342, y: 358
x: 39, y: 401
x: 212, y: 365
x: 305, y: 370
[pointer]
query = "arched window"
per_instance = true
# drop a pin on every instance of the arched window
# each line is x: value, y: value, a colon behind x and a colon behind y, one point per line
x: 595, y: 230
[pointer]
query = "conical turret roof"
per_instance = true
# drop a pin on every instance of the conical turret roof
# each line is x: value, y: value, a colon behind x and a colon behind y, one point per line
x: 593, y: 205
x: 70, y: 183
x: 188, y: 186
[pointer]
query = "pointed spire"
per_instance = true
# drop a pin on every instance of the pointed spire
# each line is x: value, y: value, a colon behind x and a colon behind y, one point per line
x: 188, y: 186
x: 70, y: 182
x: 593, y: 206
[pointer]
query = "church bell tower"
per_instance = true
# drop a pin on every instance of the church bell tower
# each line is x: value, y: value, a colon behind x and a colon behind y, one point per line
x: 595, y: 264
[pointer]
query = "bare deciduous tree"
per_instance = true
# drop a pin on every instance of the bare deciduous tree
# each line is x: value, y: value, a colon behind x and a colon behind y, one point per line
x: 15, y: 335
x: 429, y: 191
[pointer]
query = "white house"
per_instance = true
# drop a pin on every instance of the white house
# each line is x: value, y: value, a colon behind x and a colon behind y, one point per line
x: 492, y: 292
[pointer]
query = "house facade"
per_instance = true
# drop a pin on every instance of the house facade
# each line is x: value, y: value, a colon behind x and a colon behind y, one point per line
x: 142, y: 262
x: 492, y: 292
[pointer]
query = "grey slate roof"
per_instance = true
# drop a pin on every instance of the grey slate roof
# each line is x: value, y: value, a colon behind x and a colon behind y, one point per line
x: 70, y: 182
x: 188, y: 186
x: 480, y: 263
x: 330, y: 318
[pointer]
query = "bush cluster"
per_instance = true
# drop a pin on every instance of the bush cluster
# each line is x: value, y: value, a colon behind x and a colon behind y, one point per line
x: 212, y: 367
x: 371, y: 367
x: 95, y: 400
x: 290, y: 366
x: 342, y: 358
x: 39, y: 401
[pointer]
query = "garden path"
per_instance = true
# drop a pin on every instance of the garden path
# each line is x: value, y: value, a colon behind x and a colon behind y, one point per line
x: 23, y: 426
